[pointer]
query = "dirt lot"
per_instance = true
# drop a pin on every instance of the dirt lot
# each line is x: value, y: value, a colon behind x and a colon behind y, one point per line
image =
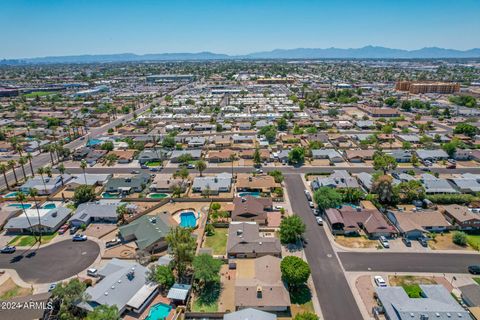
x: 409, y: 280
x: 444, y: 242
x: 366, y: 290
x: 356, y: 242
x: 98, y: 230
x: 9, y: 290
x: 126, y: 251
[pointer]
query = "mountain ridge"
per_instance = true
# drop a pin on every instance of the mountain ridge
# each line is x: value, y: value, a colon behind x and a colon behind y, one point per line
x: 366, y: 52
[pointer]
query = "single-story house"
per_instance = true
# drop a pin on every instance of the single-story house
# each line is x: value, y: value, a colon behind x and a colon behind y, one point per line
x: 47, y: 186
x: 123, y: 156
x: 415, y: 224
x: 253, y: 209
x: 250, y: 314
x: 460, y: 217
x: 431, y: 155
x: 330, y: 154
x: 400, y: 155
x: 123, y: 284
x: 50, y: 220
x: 360, y: 155
x: 244, y: 241
x: 213, y: 184
x: 338, y: 179
x: 471, y: 294
x: 99, y: 212
x: 220, y: 155
x: 90, y: 179
x: 365, y: 179
x: 258, y: 183
x: 196, y: 154
x: 165, y: 182
x: 434, y: 185
x: 127, y: 184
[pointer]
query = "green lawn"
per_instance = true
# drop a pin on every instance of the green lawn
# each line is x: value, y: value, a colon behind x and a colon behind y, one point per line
x: 473, y: 241
x: 199, y: 307
x: 153, y: 163
x: 38, y: 93
x: 412, y: 290
x: 301, y: 299
x: 27, y: 240
x: 218, y: 241
x: 477, y: 280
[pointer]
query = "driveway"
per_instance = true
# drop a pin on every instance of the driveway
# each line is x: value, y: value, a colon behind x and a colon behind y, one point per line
x: 408, y: 262
x: 334, y: 294
x: 52, y: 263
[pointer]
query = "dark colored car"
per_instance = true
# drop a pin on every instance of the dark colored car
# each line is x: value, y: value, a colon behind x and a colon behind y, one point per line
x: 474, y: 269
x: 423, y: 241
x: 407, y: 242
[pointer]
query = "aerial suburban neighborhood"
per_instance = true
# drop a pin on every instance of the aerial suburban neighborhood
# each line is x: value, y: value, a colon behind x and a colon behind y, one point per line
x: 300, y: 184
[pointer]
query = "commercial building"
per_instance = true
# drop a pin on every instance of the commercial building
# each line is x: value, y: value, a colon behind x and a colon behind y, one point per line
x: 427, y: 87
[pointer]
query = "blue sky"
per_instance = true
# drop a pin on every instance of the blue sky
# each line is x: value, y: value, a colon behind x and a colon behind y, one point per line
x: 55, y: 27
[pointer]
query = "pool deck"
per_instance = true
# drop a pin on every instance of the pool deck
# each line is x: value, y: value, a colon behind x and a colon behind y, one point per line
x: 158, y: 299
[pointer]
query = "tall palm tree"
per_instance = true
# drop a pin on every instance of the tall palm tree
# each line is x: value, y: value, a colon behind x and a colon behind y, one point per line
x: 49, y: 148
x: 41, y: 172
x: 22, y: 198
x: 61, y: 169
x: 83, y: 166
x: 23, y: 161
x: 29, y: 158
x: 19, y: 150
x: 33, y: 194
x: 11, y: 165
x: 3, y: 169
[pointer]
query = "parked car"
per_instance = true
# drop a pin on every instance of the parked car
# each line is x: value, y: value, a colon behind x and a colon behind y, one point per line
x: 73, y: 230
x: 144, y: 166
x: 315, y: 212
x: 191, y: 166
x: 407, y: 242
x: 135, y: 172
x: 92, y: 272
x: 319, y: 221
x: 384, y: 242
x: 258, y: 170
x: 63, y: 228
x: 112, y: 243
x: 79, y: 237
x: 278, y: 208
x: 379, y: 281
x: 452, y: 166
x: 423, y: 241
x: 311, y: 204
x: 307, y: 194
x: 8, y: 249
x: 51, y: 287
x: 475, y: 269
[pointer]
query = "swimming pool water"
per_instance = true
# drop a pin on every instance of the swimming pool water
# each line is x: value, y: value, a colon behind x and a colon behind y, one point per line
x: 108, y: 195
x: 158, y: 195
x: 49, y: 206
x: 187, y: 219
x: 159, y: 311
x: 20, y: 206
x: 253, y: 194
x: 11, y: 194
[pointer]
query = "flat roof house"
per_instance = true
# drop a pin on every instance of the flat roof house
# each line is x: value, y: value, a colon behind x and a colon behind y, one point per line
x: 435, y: 303
x: 252, y: 209
x: 123, y: 284
x: 244, y: 241
x: 259, y: 285
x: 50, y: 220
x: 213, y: 184
x: 148, y: 232
x: 90, y: 179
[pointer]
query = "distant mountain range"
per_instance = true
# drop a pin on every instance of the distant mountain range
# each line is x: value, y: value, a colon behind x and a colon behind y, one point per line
x: 368, y: 52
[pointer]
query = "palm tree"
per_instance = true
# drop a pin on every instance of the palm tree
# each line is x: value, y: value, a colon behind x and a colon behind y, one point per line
x: 201, y: 165
x: 29, y: 158
x: 121, y: 212
x: 3, y: 169
x: 22, y: 198
x: 23, y: 161
x: 11, y: 165
x: 83, y: 166
x: 49, y: 148
x: 48, y: 171
x: 33, y: 194
x: 61, y: 169
x: 41, y: 172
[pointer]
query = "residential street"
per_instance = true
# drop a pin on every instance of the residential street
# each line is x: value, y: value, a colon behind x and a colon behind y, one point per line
x: 333, y: 292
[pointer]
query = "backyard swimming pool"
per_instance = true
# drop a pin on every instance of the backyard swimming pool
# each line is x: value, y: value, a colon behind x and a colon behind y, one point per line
x: 49, y: 205
x: 11, y: 194
x: 158, y: 195
x: 188, y: 219
x: 107, y: 195
x: 255, y: 194
x: 20, y: 206
x: 160, y: 311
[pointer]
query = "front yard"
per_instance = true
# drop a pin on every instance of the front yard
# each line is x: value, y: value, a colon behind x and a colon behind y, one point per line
x: 301, y: 301
x: 9, y: 290
x: 28, y: 240
x: 356, y: 242
x: 410, y: 284
x: 444, y: 242
x: 217, y: 242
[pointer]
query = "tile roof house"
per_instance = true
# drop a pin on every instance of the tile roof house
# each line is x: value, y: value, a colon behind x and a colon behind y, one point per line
x: 435, y: 303
x: 244, y: 241
x: 213, y: 184
x: 259, y: 285
x: 220, y: 155
x: 348, y: 220
x: 123, y: 284
x: 360, y: 155
x: 123, y: 156
x: 258, y: 183
x: 165, y: 182
x: 460, y: 217
x: 414, y: 224
x: 253, y: 209
x: 148, y: 232
x: 338, y: 179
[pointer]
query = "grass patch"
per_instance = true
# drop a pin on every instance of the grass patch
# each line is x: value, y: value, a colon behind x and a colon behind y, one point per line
x: 207, y: 299
x: 477, y: 280
x: 301, y: 299
x: 218, y: 241
x: 28, y: 240
x: 10, y: 290
x: 410, y: 284
x: 153, y: 164
x: 412, y: 290
x: 473, y: 241
x: 38, y: 94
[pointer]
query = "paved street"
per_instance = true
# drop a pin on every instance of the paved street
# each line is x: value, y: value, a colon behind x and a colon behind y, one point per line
x: 334, y: 294
x: 408, y: 262
x: 52, y: 263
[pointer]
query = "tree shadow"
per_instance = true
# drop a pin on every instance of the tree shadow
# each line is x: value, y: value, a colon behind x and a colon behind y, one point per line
x: 300, y: 294
x: 16, y: 259
x: 209, y: 294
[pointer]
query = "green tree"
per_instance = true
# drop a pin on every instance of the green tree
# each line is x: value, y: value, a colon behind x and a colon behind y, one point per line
x: 182, y: 246
x: 306, y: 316
x: 352, y: 195
x: 65, y: 297
x: 200, y: 165
x: 295, y: 271
x: 83, y: 166
x: 296, y: 156
x: 168, y: 142
x: 291, y: 228
x: 277, y: 175
x: 409, y: 191
x: 11, y: 165
x: 121, y: 212
x: 282, y: 124
x: 384, y: 162
x: 206, y: 269
x: 383, y: 187
x: 257, y: 160
x: 3, y: 170
x: 107, y: 145
x: 459, y: 238
x: 162, y: 275
x: 20, y: 197
x: 466, y: 129
x: 390, y: 101
x: 33, y: 193
x: 326, y: 197
x: 83, y: 193
x: 104, y: 312
x: 450, y: 148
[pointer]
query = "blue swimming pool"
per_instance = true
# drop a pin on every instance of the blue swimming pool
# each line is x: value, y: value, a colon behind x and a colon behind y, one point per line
x: 12, y: 194
x: 50, y: 205
x: 188, y: 219
x: 94, y: 142
x: 107, y: 195
x: 255, y: 194
x: 160, y: 311
x: 20, y: 206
